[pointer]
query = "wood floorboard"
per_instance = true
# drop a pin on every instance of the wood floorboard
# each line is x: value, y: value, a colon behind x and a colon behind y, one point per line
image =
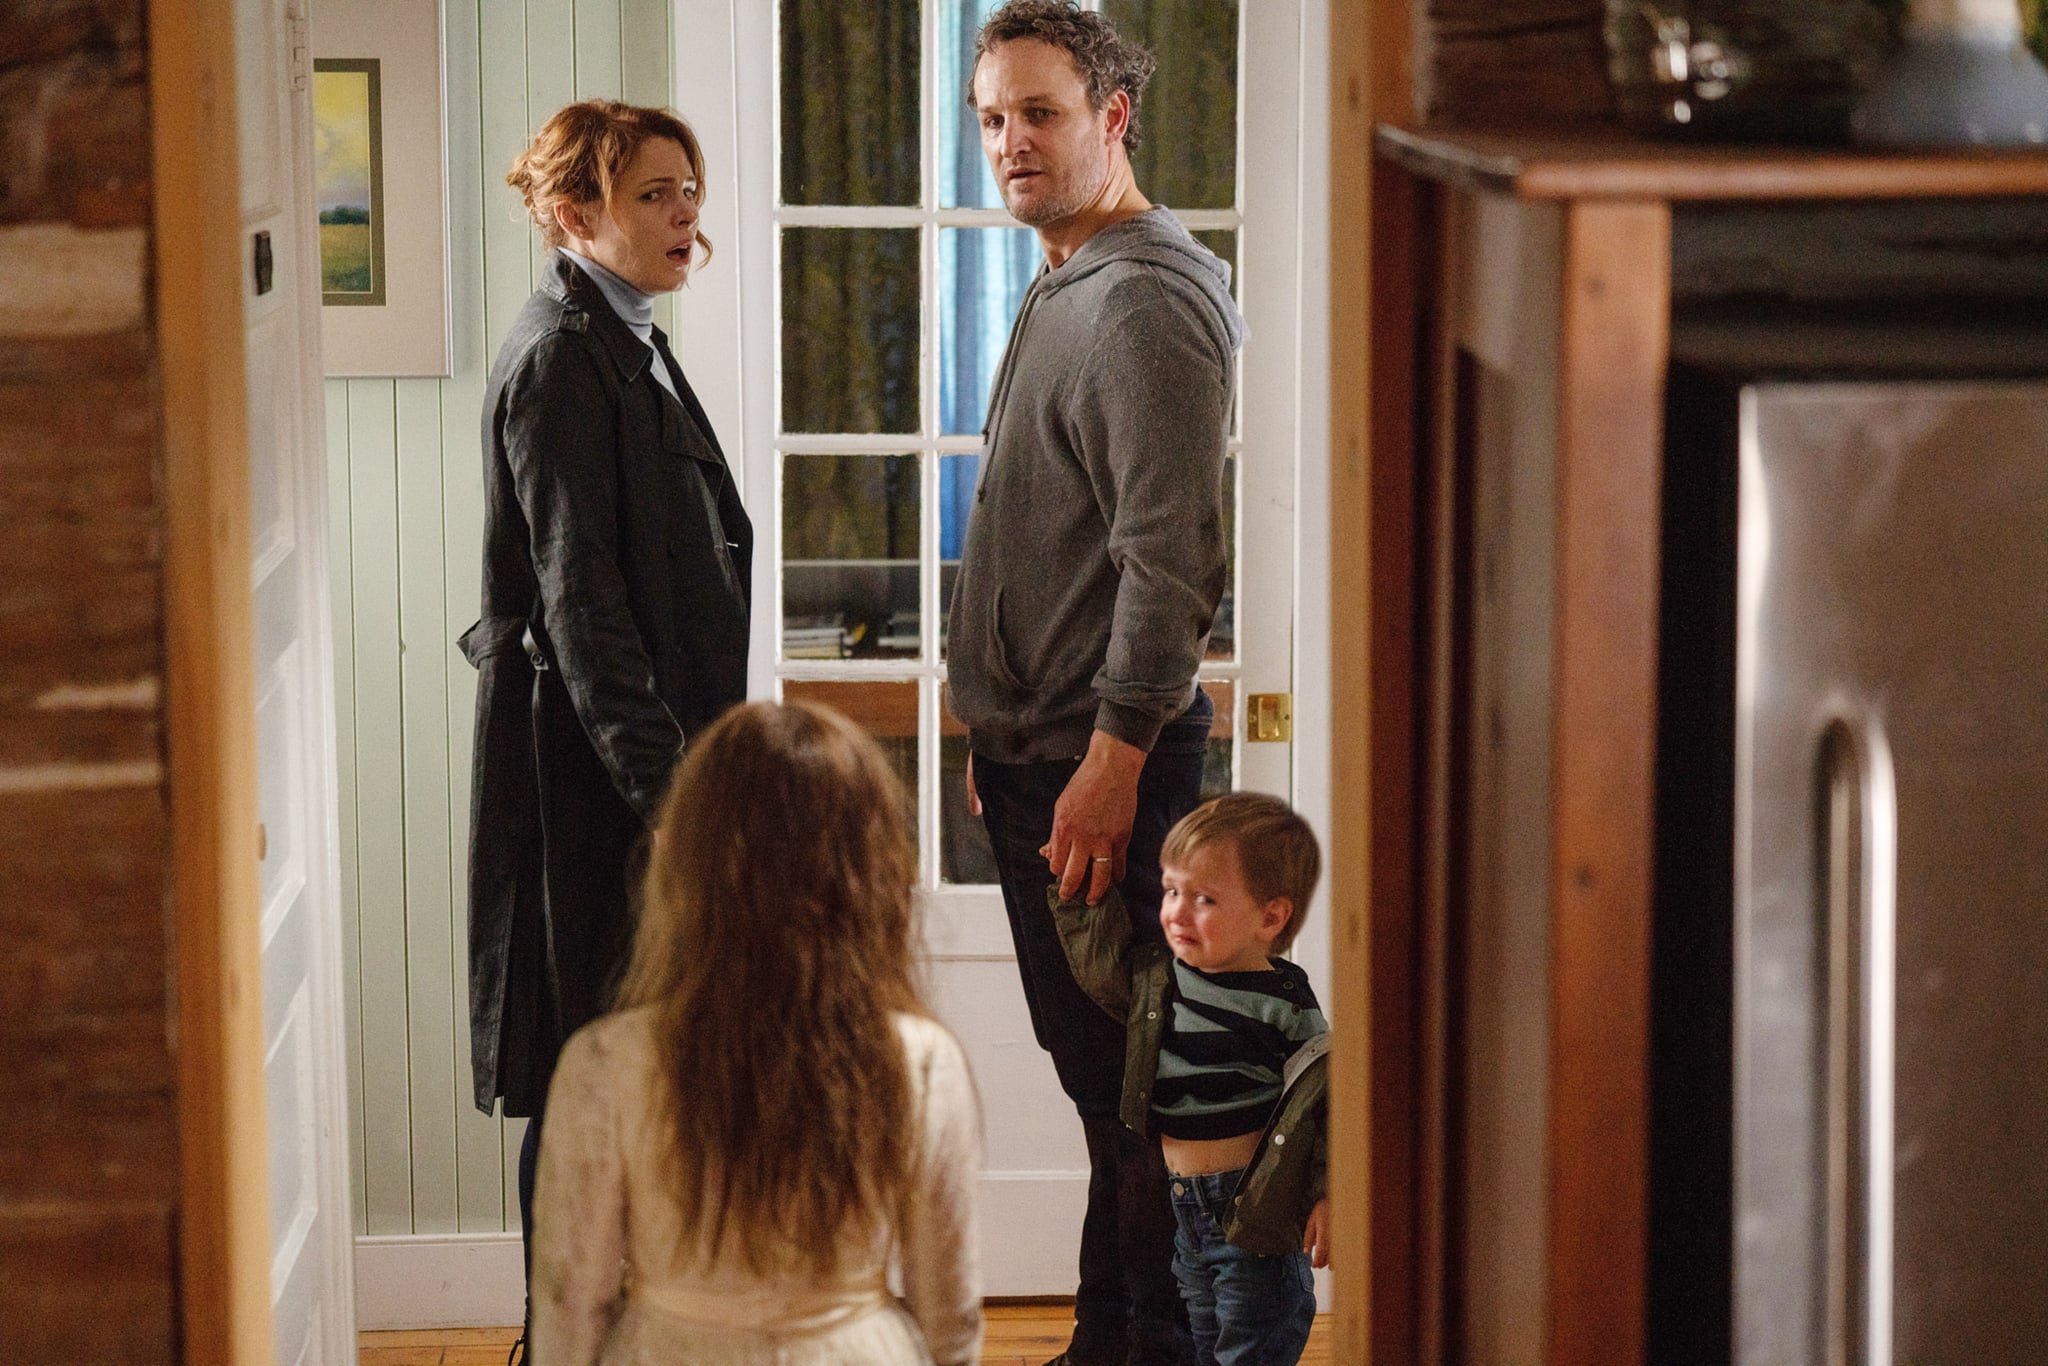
x: 1017, y: 1335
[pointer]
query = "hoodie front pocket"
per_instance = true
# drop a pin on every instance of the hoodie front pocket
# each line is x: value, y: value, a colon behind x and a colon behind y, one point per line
x: 999, y: 652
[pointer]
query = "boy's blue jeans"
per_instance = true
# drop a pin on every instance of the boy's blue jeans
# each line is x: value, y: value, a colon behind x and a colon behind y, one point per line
x: 1245, y: 1309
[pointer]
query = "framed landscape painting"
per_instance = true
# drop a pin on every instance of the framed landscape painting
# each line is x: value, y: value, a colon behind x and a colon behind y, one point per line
x: 380, y: 167
x: 348, y: 173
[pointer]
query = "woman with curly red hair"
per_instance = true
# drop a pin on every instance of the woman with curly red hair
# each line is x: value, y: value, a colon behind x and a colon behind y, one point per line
x: 615, y: 589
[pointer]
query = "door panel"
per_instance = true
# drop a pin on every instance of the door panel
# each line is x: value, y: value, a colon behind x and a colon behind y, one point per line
x: 861, y: 477
x: 310, y: 1272
x: 1035, y: 1167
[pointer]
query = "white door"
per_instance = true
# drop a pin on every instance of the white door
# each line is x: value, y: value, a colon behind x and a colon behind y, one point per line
x: 311, y: 1283
x: 878, y: 274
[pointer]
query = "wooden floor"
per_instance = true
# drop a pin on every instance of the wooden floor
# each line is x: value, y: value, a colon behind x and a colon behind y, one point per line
x: 1018, y: 1335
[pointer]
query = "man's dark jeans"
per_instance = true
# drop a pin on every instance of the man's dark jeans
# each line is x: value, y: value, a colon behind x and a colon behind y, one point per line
x: 1128, y: 1306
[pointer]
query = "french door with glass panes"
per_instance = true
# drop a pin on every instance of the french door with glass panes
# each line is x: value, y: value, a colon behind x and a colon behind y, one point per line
x: 873, y: 236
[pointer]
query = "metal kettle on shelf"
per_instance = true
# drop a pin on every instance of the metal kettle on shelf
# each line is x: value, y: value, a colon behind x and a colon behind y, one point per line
x: 1744, y: 70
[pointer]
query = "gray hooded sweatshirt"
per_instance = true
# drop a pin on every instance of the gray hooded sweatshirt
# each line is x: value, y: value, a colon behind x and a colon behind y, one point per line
x: 1094, y: 557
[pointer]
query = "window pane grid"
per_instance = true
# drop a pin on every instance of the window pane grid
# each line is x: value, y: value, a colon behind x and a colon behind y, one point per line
x: 930, y: 444
x: 851, y: 556
x: 823, y: 51
x: 929, y: 585
x: 1198, y: 45
x: 928, y: 364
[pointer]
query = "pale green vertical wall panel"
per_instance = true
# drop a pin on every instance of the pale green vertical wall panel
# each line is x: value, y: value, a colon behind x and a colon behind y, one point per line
x: 597, y: 50
x: 644, y: 53
x: 508, y: 270
x: 479, y: 1160
x: 380, y: 805
x: 550, y: 56
x: 480, y: 1206
x: 550, y: 68
x: 429, y: 946
x: 406, y: 514
x: 341, y: 599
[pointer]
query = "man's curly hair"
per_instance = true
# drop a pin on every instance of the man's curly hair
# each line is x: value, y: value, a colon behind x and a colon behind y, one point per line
x: 1106, y: 62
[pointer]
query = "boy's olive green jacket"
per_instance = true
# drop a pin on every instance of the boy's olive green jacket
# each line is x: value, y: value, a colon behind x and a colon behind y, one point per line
x: 1288, y: 1172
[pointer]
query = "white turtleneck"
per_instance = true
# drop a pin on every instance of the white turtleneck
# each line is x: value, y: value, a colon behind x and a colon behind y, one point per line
x: 635, y: 310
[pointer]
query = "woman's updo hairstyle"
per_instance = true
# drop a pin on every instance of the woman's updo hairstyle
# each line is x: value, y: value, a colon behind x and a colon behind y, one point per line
x: 578, y: 156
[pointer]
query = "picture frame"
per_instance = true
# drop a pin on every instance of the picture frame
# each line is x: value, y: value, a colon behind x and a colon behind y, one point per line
x: 380, y: 165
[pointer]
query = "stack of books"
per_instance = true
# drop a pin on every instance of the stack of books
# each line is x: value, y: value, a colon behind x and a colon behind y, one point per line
x: 814, y: 638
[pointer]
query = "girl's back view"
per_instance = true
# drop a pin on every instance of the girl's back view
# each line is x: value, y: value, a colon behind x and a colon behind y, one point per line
x: 731, y: 1158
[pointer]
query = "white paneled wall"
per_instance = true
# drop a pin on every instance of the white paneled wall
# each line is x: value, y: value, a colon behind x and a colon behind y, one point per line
x: 405, y: 478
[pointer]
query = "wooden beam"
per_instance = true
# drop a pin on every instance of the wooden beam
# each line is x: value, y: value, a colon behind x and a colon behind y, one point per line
x: 1402, y: 252
x: 1352, y: 112
x: 224, y: 1223
x: 1604, y: 164
x: 1372, y: 69
x: 1443, y: 766
x: 1612, y: 345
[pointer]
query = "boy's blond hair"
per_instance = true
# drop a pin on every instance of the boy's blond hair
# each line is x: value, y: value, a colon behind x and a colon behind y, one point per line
x: 1277, y: 854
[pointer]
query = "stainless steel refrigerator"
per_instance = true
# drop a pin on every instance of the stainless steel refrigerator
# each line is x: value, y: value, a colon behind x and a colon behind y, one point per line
x: 1882, y: 969
x: 1891, y: 874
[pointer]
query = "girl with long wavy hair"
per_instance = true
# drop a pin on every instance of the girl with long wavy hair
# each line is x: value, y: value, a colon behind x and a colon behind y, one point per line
x: 733, y: 1157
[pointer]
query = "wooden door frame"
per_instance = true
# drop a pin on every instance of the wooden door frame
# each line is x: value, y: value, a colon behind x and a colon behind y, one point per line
x: 1612, y: 282
x: 1373, y: 672
x: 224, y: 1246
x: 223, y: 1250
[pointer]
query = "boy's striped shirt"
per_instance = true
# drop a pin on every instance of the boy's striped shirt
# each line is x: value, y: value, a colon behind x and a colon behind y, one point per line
x: 1227, y: 1041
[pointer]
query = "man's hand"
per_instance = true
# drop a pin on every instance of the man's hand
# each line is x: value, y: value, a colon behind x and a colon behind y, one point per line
x: 973, y: 797
x: 1315, y: 1239
x: 1091, y: 822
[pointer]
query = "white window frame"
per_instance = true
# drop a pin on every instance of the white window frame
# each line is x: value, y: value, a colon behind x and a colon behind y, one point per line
x: 727, y: 78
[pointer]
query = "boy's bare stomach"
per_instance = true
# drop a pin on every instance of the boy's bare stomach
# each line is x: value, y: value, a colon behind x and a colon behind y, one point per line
x: 1207, y: 1156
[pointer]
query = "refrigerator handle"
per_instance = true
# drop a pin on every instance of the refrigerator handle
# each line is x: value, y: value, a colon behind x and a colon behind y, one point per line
x: 1857, y: 831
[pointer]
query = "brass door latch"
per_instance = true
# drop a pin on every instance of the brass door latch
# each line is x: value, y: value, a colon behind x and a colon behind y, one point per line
x: 1269, y: 716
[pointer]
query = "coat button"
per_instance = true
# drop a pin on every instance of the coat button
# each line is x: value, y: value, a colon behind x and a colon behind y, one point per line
x: 1279, y: 1139
x: 1151, y: 1014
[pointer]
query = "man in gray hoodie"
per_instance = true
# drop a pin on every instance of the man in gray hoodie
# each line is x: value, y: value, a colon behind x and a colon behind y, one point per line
x: 1092, y: 572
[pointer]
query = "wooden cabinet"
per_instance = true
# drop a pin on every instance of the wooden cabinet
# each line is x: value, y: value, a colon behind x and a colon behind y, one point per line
x: 1522, y: 325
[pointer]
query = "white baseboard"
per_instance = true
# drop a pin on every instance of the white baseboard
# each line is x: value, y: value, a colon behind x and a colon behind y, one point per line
x: 459, y: 1280
x: 477, y: 1280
